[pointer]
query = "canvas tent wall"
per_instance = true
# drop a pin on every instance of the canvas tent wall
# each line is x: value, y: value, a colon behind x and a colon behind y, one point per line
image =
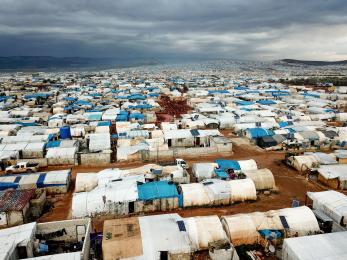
x: 217, y: 192
x: 206, y: 232
x: 243, y: 229
x: 194, y: 194
x: 304, y: 162
x: 263, y: 178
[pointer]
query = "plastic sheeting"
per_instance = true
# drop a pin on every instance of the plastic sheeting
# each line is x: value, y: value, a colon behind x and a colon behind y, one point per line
x: 302, y: 162
x: 99, y: 142
x: 113, y: 198
x: 155, y: 240
x: 14, y: 237
x: 318, y: 247
x: 194, y: 194
x: 85, y: 182
x: 332, y: 203
x: 263, y: 178
x: 243, y: 228
x: 204, y: 230
x: 242, y: 190
x: 218, y: 192
x: 203, y: 170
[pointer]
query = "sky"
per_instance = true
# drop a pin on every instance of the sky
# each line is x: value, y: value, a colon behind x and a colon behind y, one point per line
x: 175, y: 29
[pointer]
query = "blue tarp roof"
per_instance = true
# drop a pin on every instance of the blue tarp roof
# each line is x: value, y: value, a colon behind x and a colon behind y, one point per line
x: 221, y: 174
x: 259, y: 132
x: 278, y: 93
x: 311, y: 95
x: 123, y: 112
x: 93, y: 110
x: 136, y: 116
x: 283, y: 124
x: 96, y: 116
x: 157, y: 190
x: 8, y: 185
x: 38, y: 179
x: 227, y: 164
x: 195, y: 132
x: 4, y: 98
x: 53, y: 144
x: 122, y: 118
x: 153, y: 95
x: 95, y: 94
x: 104, y: 123
x: 266, y: 102
x: 219, y: 91
x: 141, y: 106
x: 240, y: 88
x: 27, y: 124
x: 121, y: 97
x: 329, y: 110
x: 36, y: 95
x: 69, y: 98
x: 243, y: 103
x: 270, y: 234
x: 137, y: 96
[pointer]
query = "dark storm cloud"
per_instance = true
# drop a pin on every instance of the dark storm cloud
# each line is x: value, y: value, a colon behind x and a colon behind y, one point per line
x: 257, y: 29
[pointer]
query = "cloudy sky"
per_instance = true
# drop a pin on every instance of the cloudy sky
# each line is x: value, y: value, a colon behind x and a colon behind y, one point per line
x: 166, y: 29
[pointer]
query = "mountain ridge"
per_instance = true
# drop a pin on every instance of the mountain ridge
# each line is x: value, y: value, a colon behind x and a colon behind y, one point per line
x: 314, y: 62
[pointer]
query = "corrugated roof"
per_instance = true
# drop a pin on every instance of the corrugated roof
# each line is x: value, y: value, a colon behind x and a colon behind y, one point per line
x: 15, y: 200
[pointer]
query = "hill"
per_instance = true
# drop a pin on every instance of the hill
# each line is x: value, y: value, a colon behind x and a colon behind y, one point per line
x: 314, y: 62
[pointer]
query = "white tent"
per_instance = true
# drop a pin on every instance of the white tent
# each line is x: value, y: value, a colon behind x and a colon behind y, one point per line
x: 332, y: 203
x: 317, y: 247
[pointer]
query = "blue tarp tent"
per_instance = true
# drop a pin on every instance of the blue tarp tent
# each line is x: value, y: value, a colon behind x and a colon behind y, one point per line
x: 241, y: 88
x: 221, y: 174
x: 53, y: 144
x: 259, y: 132
x: 283, y: 124
x: 137, y: 116
x: 227, y: 164
x: 157, y: 190
x: 243, y: 103
x: 104, y: 123
x: 93, y: 116
x: 266, y: 102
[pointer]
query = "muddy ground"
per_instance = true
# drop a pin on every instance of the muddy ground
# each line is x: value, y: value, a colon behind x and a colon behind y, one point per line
x: 290, y: 184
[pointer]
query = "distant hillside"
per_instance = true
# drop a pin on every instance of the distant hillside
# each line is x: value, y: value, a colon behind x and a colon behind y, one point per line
x: 314, y: 63
x: 63, y: 63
